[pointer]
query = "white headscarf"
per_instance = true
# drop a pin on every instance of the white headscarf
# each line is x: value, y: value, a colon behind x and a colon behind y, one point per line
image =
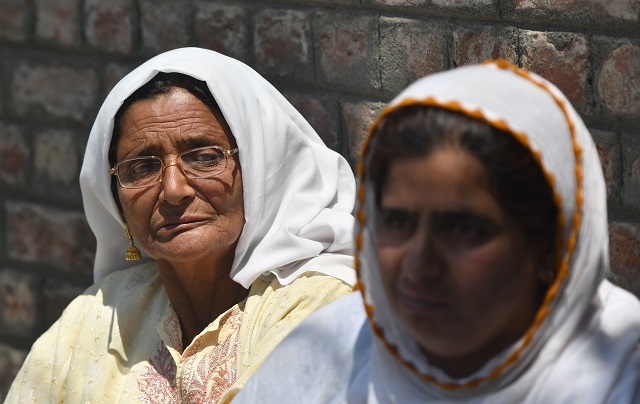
x: 583, y: 344
x: 298, y: 194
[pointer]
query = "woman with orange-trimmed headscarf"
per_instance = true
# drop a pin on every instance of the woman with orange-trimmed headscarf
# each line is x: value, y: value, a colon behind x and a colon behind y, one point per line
x: 481, y: 250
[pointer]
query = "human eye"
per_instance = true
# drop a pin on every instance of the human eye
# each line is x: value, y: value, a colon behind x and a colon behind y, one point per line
x: 205, y: 157
x: 464, y: 231
x: 396, y: 223
x: 140, y: 168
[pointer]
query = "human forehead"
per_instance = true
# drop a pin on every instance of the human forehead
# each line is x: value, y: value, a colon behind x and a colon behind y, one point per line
x: 445, y: 176
x: 171, y: 122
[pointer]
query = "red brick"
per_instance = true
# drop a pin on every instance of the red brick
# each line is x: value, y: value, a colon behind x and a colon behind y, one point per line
x: 622, y: 9
x: 57, y: 20
x: 62, y: 92
x: 347, y: 51
x: 113, y: 73
x: 164, y: 24
x: 624, y: 248
x: 358, y: 118
x: 18, y: 302
x: 109, y: 26
x: 409, y: 49
x: 55, y: 156
x: 282, y: 44
x: 463, y: 3
x: 619, y: 81
x: 10, y: 361
x: 441, y: 3
x: 561, y: 58
x: 413, y: 3
x: 478, y: 45
x: 610, y: 156
x: 13, y: 20
x: 14, y: 155
x: 222, y: 28
x: 318, y: 116
x: 57, y: 296
x: 631, y: 170
x: 36, y: 234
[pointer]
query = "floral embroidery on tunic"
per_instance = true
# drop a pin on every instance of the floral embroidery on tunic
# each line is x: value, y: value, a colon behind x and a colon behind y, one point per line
x: 157, y: 383
x: 206, y: 373
x: 172, y: 328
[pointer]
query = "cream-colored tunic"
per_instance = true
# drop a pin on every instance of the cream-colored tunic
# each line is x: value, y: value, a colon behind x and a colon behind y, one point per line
x: 121, y: 342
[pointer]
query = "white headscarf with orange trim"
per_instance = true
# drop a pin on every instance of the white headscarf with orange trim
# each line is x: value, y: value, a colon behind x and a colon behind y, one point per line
x: 583, y: 345
x: 298, y: 193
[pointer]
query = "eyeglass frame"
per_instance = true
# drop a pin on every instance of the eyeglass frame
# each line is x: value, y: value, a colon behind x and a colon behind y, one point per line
x: 228, y: 153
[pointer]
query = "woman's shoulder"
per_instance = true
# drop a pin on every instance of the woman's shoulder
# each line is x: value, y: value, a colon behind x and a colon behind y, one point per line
x: 318, y: 361
x: 323, y: 268
x: 130, y: 278
x: 114, y: 289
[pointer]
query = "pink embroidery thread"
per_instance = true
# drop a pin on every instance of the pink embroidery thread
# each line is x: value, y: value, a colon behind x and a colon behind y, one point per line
x: 204, y: 378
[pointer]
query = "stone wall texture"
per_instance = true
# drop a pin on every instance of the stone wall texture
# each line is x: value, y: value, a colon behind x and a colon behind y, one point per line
x: 338, y: 61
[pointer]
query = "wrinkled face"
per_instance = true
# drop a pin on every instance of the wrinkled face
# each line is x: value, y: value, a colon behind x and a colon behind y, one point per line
x: 455, y: 266
x: 180, y: 219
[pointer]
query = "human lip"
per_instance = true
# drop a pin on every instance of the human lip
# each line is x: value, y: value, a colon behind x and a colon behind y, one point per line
x: 421, y: 303
x: 175, y: 225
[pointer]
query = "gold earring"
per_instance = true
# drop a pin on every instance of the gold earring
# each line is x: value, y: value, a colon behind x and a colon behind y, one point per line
x: 133, y: 254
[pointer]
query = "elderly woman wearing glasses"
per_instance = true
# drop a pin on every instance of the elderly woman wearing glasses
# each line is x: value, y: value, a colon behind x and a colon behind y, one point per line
x: 244, y: 220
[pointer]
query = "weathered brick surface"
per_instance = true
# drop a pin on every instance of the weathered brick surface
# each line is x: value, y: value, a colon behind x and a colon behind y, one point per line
x: 283, y: 44
x: 338, y: 61
x: 57, y: 20
x: 440, y: 3
x: 56, y: 297
x: 608, y: 146
x: 620, y: 9
x: 14, y: 155
x: 464, y: 3
x: 109, y: 25
x: 18, y: 302
x: 347, y: 51
x: 55, y: 157
x: 619, y: 80
x: 10, y: 361
x: 223, y: 28
x: 410, y: 49
x: 50, y: 237
x: 483, y: 43
x: 13, y: 20
x: 113, y: 73
x: 358, y: 118
x: 630, y: 144
x: 563, y: 59
x: 624, y: 247
x: 321, y: 115
x: 61, y: 92
x: 164, y: 24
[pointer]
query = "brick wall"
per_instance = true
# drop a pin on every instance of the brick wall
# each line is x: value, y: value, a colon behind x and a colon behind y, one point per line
x: 338, y: 61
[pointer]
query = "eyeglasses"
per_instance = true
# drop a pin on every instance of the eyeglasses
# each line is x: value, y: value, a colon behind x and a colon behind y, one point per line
x: 142, y: 172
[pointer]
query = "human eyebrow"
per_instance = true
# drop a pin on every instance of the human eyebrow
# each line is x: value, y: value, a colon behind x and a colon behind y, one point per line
x: 466, y: 216
x: 146, y: 151
x: 463, y: 214
x: 195, y: 142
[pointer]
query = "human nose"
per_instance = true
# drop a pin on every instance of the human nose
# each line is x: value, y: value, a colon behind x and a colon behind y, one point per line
x: 175, y: 184
x: 423, y: 258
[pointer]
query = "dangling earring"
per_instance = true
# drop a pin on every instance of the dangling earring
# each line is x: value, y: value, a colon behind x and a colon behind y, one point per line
x: 133, y: 254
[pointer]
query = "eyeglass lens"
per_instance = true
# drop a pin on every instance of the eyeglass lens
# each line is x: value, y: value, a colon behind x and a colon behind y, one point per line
x: 198, y: 163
